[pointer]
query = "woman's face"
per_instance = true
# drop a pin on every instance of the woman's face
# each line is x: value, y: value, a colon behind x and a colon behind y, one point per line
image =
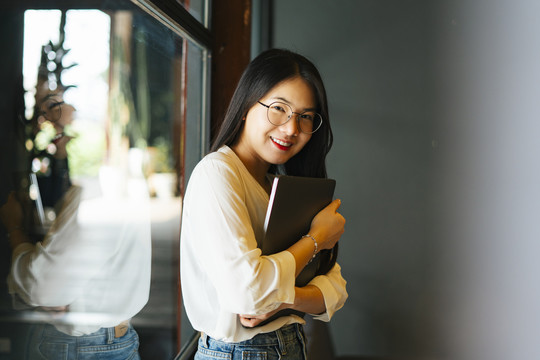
x: 58, y: 113
x: 262, y: 143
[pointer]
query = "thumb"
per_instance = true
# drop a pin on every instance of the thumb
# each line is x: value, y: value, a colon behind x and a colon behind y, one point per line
x: 336, y: 204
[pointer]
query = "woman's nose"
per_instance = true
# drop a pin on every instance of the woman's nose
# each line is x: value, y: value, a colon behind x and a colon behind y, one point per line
x: 291, y: 127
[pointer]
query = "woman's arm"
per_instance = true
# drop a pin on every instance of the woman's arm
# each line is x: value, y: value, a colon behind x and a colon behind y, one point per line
x: 326, y: 229
x: 308, y: 299
x: 322, y: 297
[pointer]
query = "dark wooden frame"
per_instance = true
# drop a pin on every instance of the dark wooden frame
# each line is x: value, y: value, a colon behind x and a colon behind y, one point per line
x: 231, y: 33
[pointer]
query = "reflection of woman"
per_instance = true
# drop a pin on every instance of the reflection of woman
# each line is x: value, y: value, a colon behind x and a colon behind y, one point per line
x: 87, y: 278
x: 230, y: 289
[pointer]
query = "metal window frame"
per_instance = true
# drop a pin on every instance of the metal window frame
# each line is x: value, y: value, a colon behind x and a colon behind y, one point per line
x: 173, y: 15
x: 179, y: 20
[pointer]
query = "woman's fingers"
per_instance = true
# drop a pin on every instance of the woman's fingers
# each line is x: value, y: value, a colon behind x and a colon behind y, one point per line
x: 328, y: 225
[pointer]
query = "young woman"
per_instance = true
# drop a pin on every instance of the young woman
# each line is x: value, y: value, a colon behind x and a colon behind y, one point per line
x: 277, y: 123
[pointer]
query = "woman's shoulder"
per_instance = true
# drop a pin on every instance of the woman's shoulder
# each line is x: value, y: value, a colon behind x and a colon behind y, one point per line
x: 217, y: 172
x: 223, y: 159
x: 221, y: 166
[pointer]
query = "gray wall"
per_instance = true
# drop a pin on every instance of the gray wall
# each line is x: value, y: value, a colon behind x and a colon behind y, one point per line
x: 375, y: 59
x: 435, y: 110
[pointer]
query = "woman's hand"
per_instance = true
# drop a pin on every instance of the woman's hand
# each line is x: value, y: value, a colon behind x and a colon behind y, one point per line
x: 250, y: 321
x: 308, y: 299
x: 328, y: 226
x: 61, y: 147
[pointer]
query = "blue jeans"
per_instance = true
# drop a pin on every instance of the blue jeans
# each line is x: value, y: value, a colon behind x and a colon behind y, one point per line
x: 47, y: 343
x: 287, y: 343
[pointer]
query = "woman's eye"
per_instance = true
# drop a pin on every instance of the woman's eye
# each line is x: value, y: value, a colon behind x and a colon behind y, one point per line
x: 278, y: 108
x: 307, y: 117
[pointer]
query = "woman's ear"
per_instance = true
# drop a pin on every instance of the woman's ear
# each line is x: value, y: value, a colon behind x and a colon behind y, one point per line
x: 244, y: 116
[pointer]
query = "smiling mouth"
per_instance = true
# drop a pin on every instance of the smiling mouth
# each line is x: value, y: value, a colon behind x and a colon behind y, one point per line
x: 281, y: 144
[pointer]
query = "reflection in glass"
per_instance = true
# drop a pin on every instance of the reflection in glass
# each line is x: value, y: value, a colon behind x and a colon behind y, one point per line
x: 95, y: 243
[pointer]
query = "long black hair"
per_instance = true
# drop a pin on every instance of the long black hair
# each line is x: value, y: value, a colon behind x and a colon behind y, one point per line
x: 266, y: 71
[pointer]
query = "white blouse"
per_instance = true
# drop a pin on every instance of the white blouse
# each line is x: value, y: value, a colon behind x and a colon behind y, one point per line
x: 223, y: 272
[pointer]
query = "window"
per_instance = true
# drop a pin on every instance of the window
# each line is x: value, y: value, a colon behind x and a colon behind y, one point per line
x: 112, y: 119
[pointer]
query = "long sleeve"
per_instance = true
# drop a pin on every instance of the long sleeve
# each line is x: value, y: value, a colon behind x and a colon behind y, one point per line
x: 333, y: 287
x: 54, y: 272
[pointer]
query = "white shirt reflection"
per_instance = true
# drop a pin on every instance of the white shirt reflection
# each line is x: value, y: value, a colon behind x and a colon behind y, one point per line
x: 94, y: 263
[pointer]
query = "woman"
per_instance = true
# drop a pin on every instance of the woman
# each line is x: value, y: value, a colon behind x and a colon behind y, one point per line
x: 277, y: 122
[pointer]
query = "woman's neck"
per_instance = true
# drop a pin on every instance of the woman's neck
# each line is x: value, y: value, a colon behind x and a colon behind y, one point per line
x: 258, y: 169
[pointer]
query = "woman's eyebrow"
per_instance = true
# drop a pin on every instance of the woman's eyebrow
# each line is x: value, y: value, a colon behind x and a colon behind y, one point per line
x: 55, y: 104
x: 289, y: 103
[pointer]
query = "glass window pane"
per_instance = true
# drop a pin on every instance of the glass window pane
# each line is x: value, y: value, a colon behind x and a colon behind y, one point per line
x: 113, y: 122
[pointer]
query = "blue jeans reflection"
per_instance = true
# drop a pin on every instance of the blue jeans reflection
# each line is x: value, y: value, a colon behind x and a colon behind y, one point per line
x: 47, y: 343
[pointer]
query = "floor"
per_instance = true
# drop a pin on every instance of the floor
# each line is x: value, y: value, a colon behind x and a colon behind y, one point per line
x: 156, y: 323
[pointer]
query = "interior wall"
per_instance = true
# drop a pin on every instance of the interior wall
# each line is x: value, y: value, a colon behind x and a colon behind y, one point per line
x: 376, y: 60
x: 435, y: 110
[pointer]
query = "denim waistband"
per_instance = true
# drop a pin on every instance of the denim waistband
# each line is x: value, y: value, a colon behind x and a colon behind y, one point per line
x: 286, y: 334
x: 103, y: 335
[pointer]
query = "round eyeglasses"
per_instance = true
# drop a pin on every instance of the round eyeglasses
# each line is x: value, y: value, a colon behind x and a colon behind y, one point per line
x: 279, y: 113
x: 51, y: 109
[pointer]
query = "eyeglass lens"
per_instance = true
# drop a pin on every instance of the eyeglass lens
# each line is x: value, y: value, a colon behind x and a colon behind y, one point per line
x: 52, y: 110
x: 280, y: 113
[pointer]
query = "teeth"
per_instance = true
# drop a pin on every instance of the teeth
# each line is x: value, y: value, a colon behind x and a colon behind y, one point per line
x: 282, y: 143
